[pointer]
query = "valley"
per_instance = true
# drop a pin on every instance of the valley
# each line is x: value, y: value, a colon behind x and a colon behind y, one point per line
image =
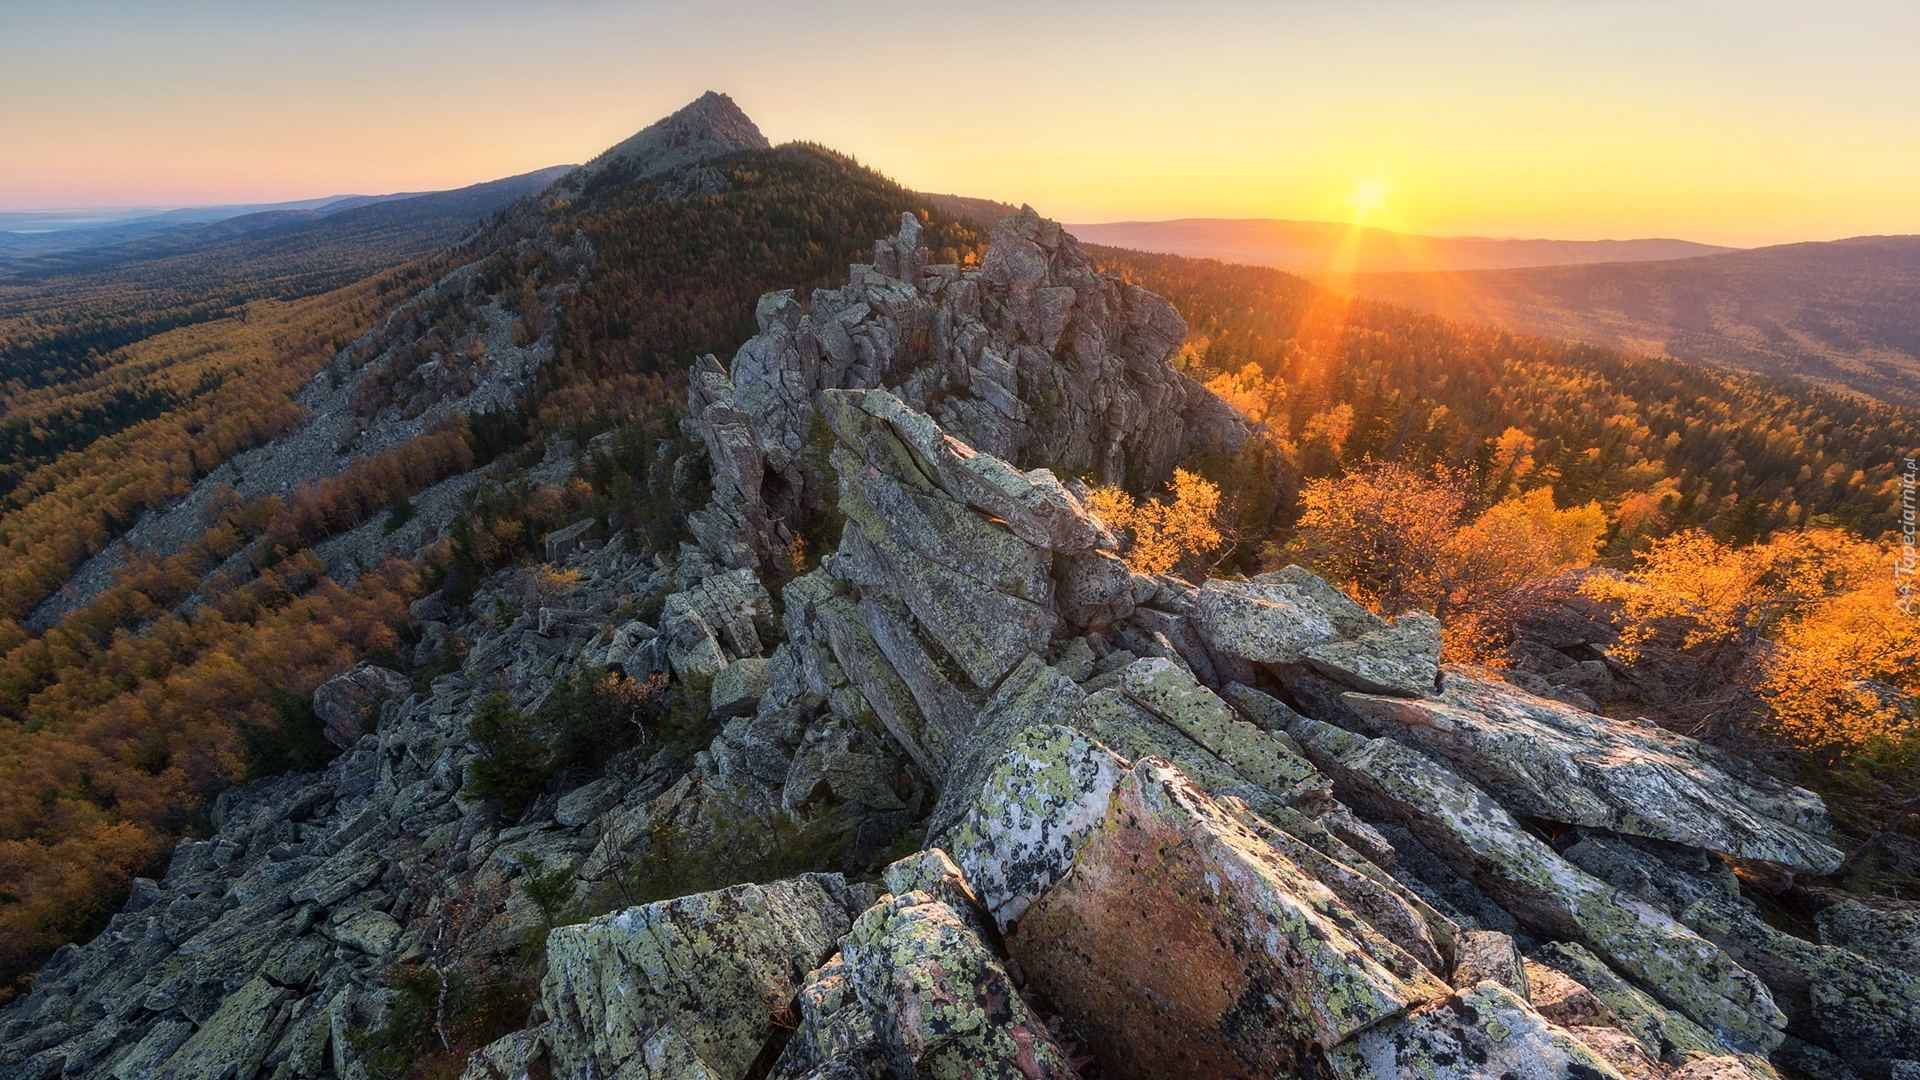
x: 716, y: 612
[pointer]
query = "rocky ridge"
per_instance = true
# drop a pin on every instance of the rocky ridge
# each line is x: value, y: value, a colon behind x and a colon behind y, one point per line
x: 1122, y: 825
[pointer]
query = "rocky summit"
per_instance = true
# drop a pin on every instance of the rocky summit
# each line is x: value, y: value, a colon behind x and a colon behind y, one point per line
x: 1039, y: 816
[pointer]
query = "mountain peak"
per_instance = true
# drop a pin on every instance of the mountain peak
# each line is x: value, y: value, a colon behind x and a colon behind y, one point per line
x: 710, y: 126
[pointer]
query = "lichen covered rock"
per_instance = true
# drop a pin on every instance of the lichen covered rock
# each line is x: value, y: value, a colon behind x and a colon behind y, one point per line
x: 941, y: 1003
x: 1042, y: 798
x: 1487, y: 1030
x: 1544, y: 890
x: 1554, y: 761
x: 689, y: 979
x: 1254, y: 965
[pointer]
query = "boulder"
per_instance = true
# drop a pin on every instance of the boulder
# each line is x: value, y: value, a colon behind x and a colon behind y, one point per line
x: 738, y: 688
x: 371, y: 932
x: 1887, y: 937
x: 1553, y: 761
x: 236, y: 1038
x: 1095, y: 589
x: 345, y: 703
x: 1489, y: 956
x: 1664, y: 1034
x: 510, y: 1057
x: 1031, y: 816
x: 1864, y: 1010
x: 1487, y: 1030
x: 1400, y: 659
x: 1255, y: 964
x: 940, y: 1002
x: 561, y: 543
x: 834, y: 1038
x: 1033, y: 695
x: 1265, y: 622
x: 692, y: 648
x: 618, y: 988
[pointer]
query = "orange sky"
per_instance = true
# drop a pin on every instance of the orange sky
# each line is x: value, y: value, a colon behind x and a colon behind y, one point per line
x: 1748, y: 123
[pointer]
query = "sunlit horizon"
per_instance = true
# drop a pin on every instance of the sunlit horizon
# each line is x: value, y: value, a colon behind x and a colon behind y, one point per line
x: 1770, y: 123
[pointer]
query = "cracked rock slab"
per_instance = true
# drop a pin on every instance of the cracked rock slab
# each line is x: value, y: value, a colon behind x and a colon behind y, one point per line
x: 1186, y: 946
x: 1553, y: 761
x: 687, y: 980
x: 1486, y: 1031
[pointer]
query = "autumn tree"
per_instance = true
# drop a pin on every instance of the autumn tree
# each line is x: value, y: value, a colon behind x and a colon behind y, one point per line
x: 1182, y: 531
x: 1809, y: 620
x: 1810, y: 631
x: 1398, y: 539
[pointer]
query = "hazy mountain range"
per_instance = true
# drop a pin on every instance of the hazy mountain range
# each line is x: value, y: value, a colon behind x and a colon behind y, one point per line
x: 1844, y: 314
x: 54, y: 240
x: 1319, y: 248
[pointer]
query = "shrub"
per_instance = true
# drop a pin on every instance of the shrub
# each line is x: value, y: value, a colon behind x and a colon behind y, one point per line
x: 586, y: 719
x: 1182, y: 532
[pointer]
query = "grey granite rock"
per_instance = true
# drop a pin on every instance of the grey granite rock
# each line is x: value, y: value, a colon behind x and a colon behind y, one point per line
x: 1553, y: 761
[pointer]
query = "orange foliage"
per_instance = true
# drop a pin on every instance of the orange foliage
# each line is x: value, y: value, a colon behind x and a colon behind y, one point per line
x: 1834, y: 658
x: 1163, y: 534
x: 1397, y: 539
x: 69, y: 509
x: 118, y: 752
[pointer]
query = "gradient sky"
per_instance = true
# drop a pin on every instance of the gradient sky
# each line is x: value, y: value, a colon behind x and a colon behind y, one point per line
x: 1740, y: 123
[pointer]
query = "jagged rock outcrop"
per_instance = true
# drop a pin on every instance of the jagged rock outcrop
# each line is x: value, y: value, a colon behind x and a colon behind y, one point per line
x: 1550, y: 760
x: 1033, y: 357
x: 1164, y: 828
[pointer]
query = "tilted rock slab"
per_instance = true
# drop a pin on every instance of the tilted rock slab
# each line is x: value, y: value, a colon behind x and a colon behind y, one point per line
x: 1476, y: 835
x: 652, y: 990
x: 1291, y: 616
x: 1485, y: 1031
x: 1034, y: 356
x: 941, y: 1003
x: 1184, y: 945
x: 1032, y: 816
x: 1553, y: 761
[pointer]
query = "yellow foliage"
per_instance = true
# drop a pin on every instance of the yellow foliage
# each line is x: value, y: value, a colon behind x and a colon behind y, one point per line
x: 1522, y: 538
x: 1817, y: 608
x: 1249, y: 391
x: 1333, y: 425
x: 1393, y: 538
x: 1162, y: 534
x: 1513, y: 452
x: 1725, y: 593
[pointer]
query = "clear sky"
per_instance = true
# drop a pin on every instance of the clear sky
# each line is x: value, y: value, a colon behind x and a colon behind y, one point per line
x: 1744, y: 123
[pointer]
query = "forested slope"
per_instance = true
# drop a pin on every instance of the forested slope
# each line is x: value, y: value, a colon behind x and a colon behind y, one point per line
x: 122, y: 720
x: 1665, y: 445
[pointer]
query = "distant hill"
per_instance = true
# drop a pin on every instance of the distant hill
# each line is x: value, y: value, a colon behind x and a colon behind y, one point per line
x: 34, y: 234
x: 1318, y: 248
x: 57, y: 311
x: 416, y: 224
x: 1844, y: 314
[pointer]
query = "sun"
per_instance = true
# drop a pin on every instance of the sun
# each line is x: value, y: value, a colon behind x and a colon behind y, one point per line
x: 1369, y: 199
